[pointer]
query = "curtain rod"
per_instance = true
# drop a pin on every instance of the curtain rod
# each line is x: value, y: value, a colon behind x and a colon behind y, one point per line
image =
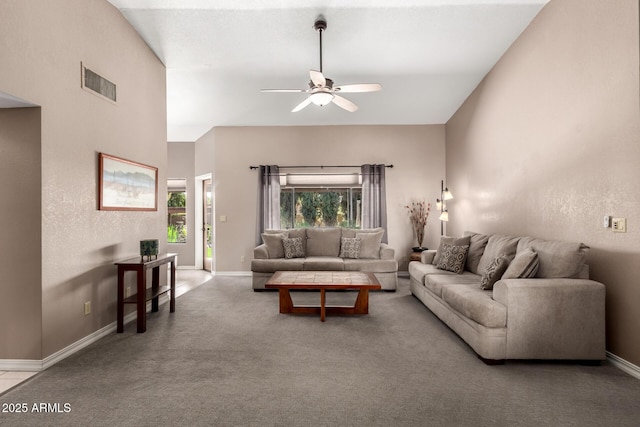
x: 318, y: 167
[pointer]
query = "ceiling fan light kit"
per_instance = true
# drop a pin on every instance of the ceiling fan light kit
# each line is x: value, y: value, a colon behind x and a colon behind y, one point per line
x: 321, y: 90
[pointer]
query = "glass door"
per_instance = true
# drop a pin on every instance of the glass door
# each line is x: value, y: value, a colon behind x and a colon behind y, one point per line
x: 207, y: 229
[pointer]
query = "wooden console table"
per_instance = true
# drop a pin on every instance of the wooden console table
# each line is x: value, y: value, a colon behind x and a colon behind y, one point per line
x: 140, y: 266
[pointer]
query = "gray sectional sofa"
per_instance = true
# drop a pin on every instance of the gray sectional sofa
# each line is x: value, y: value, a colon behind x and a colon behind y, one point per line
x: 324, y: 249
x: 514, y: 297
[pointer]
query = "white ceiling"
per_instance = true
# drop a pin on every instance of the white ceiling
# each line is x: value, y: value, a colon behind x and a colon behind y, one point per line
x: 427, y: 54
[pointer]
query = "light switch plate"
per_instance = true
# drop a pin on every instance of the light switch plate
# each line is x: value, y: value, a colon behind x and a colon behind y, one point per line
x: 619, y: 225
x: 607, y: 221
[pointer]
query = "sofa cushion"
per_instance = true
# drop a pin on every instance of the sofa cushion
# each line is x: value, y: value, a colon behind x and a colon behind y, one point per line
x: 323, y: 242
x: 291, y: 233
x: 274, y: 244
x: 496, y: 246
x: 453, y: 257
x: 419, y: 271
x: 494, y: 272
x: 523, y: 266
x: 459, y: 241
x: 371, y: 265
x: 369, y: 244
x: 435, y: 282
x: 293, y: 247
x: 352, y: 232
x: 557, y: 259
x: 278, y: 264
x: 477, y: 244
x: 323, y: 263
x: 349, y: 247
x: 476, y: 304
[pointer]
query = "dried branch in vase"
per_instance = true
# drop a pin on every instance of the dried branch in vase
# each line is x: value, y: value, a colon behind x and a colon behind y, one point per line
x: 419, y: 215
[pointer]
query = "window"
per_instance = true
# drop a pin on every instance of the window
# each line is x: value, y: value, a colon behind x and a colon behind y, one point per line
x: 177, y: 211
x: 320, y: 200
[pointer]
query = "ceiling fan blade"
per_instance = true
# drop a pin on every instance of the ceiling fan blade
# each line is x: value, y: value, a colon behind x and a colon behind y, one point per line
x: 344, y: 103
x: 360, y: 87
x: 303, y: 104
x: 317, y: 78
x: 284, y: 90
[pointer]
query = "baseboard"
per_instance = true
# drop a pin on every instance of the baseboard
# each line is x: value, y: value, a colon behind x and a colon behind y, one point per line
x: 403, y: 274
x: 186, y: 267
x: 41, y: 365
x: 232, y: 273
x: 623, y: 365
x: 25, y: 365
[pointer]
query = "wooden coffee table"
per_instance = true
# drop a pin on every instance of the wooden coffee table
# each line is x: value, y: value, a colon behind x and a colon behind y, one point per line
x: 284, y: 281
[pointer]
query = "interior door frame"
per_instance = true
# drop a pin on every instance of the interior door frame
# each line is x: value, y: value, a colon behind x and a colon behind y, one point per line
x: 199, y: 221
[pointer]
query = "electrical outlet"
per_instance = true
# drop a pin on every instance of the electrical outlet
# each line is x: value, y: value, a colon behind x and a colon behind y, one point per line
x: 87, y: 308
x: 241, y: 258
x: 127, y: 292
x: 607, y: 221
x: 619, y: 225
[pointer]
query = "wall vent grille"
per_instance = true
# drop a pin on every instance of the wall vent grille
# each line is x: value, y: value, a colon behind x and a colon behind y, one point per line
x: 97, y: 84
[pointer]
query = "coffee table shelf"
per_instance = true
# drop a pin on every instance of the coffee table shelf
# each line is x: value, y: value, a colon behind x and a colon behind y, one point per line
x: 285, y: 281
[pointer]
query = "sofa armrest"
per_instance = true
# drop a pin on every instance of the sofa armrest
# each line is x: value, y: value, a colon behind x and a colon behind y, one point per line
x: 553, y: 318
x: 427, y: 256
x: 386, y: 251
x: 260, y: 252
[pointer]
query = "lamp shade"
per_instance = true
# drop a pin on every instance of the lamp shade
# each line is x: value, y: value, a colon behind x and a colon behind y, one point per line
x: 439, y: 204
x: 444, y: 216
x: 446, y: 195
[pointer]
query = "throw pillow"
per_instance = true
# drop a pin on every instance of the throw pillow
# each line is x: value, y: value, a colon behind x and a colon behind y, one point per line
x: 323, y: 241
x: 451, y: 241
x: 453, y: 258
x: 274, y: 244
x: 293, y: 247
x: 497, y: 245
x: 494, y: 272
x: 476, y: 249
x: 524, y: 265
x: 370, y: 244
x: 349, y: 247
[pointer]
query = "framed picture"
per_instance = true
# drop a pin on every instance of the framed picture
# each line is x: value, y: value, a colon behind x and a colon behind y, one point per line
x: 127, y: 186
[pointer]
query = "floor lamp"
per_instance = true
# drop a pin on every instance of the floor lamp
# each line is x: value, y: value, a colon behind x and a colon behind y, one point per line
x: 441, y: 204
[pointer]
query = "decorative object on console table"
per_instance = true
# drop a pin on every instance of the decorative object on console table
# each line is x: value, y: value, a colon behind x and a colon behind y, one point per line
x: 419, y: 214
x: 149, y: 248
x: 441, y: 204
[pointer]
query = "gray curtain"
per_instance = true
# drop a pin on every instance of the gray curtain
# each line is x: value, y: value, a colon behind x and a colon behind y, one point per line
x: 268, y: 216
x: 374, y: 198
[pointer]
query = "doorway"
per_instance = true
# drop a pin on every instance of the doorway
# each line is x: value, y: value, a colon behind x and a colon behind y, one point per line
x: 207, y: 229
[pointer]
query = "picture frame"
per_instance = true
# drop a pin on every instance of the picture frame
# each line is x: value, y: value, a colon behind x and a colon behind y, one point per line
x: 125, y: 185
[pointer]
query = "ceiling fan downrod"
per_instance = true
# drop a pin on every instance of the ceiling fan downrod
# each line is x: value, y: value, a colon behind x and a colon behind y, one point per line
x: 320, y: 25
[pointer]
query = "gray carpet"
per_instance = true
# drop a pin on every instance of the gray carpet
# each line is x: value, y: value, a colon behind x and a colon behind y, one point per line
x: 227, y: 358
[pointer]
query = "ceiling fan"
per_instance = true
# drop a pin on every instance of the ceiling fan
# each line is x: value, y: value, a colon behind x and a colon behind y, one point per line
x: 321, y: 89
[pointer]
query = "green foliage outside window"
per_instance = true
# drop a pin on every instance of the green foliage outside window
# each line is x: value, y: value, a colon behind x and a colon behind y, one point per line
x: 336, y: 207
x: 177, y: 223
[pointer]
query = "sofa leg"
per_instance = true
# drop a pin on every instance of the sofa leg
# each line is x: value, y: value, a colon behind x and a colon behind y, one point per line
x: 491, y: 362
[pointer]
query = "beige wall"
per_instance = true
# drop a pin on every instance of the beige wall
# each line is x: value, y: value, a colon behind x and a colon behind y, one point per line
x: 548, y: 144
x: 20, y: 255
x: 42, y: 45
x: 181, y: 158
x: 417, y: 153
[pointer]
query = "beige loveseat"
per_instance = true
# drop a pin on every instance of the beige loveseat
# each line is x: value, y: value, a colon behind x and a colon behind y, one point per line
x: 538, y: 301
x: 324, y: 249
